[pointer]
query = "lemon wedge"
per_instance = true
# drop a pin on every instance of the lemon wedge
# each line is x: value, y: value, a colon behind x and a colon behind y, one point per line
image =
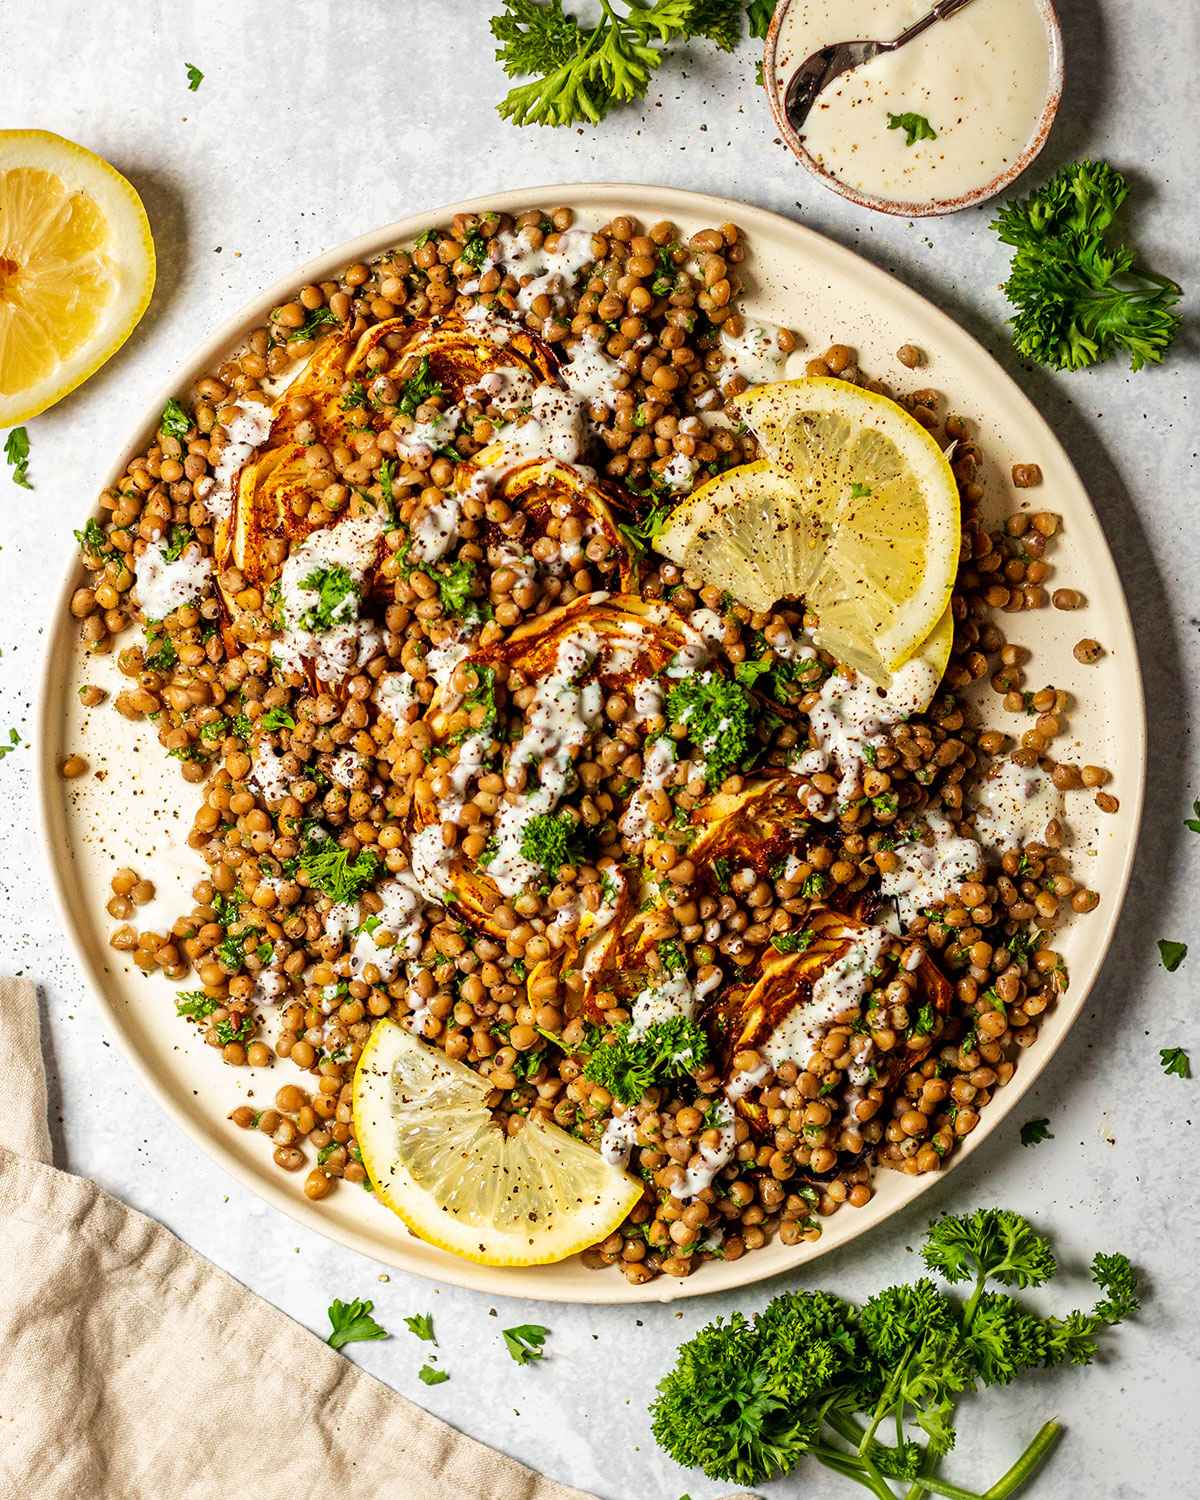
x: 437, y: 1158
x: 854, y: 510
x: 76, y: 268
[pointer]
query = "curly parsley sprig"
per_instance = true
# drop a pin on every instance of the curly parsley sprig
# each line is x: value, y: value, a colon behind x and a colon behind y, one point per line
x: 578, y: 73
x: 814, y: 1375
x: 1079, y: 296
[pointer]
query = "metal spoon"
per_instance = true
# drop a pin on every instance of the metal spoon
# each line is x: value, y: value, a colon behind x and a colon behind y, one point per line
x: 827, y: 63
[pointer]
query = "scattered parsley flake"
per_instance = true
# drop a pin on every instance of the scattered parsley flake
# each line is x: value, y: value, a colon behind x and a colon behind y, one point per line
x: 915, y: 127
x: 524, y: 1342
x: 352, y: 1323
x: 1171, y: 953
x: 1034, y: 1132
x: 16, y: 451
x: 194, y: 77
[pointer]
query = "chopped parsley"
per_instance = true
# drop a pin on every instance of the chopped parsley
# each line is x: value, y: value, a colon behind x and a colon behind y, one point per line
x: 524, y: 1342
x: 277, y: 718
x: 194, y: 1003
x: 717, y: 716
x: 352, y: 1323
x: 16, y: 451
x: 627, y: 1065
x: 194, y: 77
x: 421, y: 1324
x: 1171, y: 953
x: 420, y: 387
x: 792, y: 942
x: 1034, y: 1132
x: 337, y: 598
x: 337, y: 873
x: 1175, y: 1061
x: 672, y: 957
x: 175, y: 422
x: 639, y: 534
x: 355, y: 397
x: 177, y: 539
x: 161, y: 655
x: 318, y: 318
x: 454, y: 589
x: 915, y: 127
x: 429, y: 1376
x: 552, y: 840
x: 92, y: 539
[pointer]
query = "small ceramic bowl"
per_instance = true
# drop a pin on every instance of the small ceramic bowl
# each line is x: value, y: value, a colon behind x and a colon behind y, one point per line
x: 779, y: 64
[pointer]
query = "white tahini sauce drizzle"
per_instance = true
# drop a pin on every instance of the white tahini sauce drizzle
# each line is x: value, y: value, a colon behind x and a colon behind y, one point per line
x: 394, y: 694
x: 347, y: 643
x: 754, y: 353
x: 591, y: 375
x: 164, y: 585
x: 268, y: 775
x: 1015, y: 804
x: 429, y: 856
x: 553, y: 428
x: 741, y: 1083
x: 558, y: 722
x: 670, y: 997
x: 657, y: 768
x: 619, y: 1139
x: 712, y: 1158
x: 928, y: 873
x: 841, y: 987
x: 401, y: 916
x: 851, y: 715
x: 244, y: 435
x: 553, y: 271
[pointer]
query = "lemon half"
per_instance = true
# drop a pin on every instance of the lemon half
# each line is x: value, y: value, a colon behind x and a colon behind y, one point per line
x: 855, y: 510
x: 438, y: 1159
x: 76, y: 268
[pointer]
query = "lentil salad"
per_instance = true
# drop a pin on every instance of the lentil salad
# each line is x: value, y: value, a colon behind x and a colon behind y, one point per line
x: 924, y: 767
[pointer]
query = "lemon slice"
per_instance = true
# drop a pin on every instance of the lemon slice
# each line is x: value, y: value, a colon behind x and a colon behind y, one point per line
x: 437, y: 1159
x: 855, y: 510
x: 76, y: 268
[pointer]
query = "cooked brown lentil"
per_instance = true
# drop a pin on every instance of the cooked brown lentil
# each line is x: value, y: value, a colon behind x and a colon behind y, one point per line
x: 893, y: 1079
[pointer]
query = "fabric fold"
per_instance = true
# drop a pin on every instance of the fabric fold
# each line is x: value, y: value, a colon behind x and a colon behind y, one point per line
x: 135, y: 1369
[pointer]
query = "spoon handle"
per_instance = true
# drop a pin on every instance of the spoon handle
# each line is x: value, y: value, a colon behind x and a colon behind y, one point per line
x: 940, y: 12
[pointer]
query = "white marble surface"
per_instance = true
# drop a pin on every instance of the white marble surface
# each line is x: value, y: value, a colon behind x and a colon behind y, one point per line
x: 315, y: 122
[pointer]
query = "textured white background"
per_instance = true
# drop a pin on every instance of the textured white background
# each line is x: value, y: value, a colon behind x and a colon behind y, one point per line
x: 315, y: 122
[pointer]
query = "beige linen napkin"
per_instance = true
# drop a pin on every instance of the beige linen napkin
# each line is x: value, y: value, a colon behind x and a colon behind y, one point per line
x: 132, y: 1369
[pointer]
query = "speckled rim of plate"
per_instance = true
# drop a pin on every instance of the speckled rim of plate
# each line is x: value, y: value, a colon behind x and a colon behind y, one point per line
x: 382, y: 1236
x: 776, y: 86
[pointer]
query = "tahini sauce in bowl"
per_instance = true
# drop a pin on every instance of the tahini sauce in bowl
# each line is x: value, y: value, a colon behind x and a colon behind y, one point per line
x: 987, y: 81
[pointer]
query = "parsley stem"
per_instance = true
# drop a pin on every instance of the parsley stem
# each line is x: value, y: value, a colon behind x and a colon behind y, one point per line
x: 1028, y: 1464
x: 853, y: 1468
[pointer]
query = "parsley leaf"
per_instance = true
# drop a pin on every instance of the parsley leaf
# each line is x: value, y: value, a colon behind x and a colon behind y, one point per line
x: 332, y: 870
x: 583, y: 71
x: 420, y: 387
x: 318, y: 318
x: 277, y: 718
x: 792, y: 942
x: 1034, y: 1132
x: 1193, y: 823
x: 16, y: 451
x: 194, y: 77
x: 524, y: 1342
x: 194, y: 1003
x: 915, y: 127
x: 717, y: 716
x: 1171, y: 953
x: 337, y: 598
x: 640, y: 533
x: 758, y: 15
x: 429, y: 1376
x: 627, y: 1065
x: 552, y: 840
x: 1080, y: 296
x: 352, y: 1323
x: 175, y: 422
x: 177, y: 539
x: 421, y: 1324
x: 1175, y: 1060
x: 454, y: 588
x: 92, y: 539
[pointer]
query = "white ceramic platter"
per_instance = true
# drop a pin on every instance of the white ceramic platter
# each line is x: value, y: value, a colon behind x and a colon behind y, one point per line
x: 134, y: 809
